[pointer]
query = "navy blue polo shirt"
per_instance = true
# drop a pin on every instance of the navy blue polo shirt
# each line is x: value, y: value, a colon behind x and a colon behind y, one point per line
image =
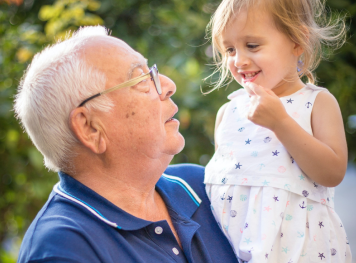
x: 78, y: 225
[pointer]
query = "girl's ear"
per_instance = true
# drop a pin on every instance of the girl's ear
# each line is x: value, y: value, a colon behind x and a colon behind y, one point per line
x: 87, y: 130
x: 298, y: 49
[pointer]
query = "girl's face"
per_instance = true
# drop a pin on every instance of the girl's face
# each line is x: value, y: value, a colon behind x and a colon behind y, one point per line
x: 258, y: 52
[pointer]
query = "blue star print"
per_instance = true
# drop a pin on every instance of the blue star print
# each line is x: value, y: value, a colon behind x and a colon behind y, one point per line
x: 265, y: 183
x: 238, y: 166
x: 248, y: 141
x: 275, y: 198
x: 301, y: 177
x: 321, y: 256
x: 321, y: 224
x: 285, y: 249
x: 247, y: 241
x: 290, y: 101
x: 275, y: 153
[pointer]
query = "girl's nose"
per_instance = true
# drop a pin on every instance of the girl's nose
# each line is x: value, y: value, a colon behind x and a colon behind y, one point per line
x: 240, y: 60
x: 168, y: 87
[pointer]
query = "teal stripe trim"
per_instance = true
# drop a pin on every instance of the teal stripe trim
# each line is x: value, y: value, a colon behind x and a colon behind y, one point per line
x: 183, y: 186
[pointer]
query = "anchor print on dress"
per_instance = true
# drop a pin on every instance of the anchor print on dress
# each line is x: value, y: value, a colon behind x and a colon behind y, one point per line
x: 241, y: 129
x: 302, y: 206
x: 308, y: 104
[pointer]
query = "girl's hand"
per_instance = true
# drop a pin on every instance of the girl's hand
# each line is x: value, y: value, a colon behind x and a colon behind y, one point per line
x: 266, y: 108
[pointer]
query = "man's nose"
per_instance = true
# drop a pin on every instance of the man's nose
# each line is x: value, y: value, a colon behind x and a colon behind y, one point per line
x: 240, y: 59
x: 168, y: 87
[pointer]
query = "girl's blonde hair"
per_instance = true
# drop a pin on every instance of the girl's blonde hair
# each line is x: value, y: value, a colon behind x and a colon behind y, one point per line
x: 304, y: 21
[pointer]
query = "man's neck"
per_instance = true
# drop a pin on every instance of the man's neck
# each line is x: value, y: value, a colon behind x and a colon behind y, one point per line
x: 129, y: 184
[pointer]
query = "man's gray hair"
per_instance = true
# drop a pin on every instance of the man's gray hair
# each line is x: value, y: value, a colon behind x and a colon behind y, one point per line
x: 56, y: 82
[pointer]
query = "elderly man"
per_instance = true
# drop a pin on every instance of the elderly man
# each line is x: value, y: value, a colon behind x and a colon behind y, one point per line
x: 104, y: 120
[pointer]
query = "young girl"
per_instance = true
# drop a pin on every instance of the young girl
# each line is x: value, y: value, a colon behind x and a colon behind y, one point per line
x: 280, y: 143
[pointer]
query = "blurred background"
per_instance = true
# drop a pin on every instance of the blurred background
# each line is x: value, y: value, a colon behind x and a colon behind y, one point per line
x: 170, y: 33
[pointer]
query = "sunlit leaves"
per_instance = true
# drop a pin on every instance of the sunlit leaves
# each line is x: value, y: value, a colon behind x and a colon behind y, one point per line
x: 66, y: 13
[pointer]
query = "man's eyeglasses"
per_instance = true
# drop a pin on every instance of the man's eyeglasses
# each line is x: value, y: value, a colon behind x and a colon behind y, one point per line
x: 153, y: 74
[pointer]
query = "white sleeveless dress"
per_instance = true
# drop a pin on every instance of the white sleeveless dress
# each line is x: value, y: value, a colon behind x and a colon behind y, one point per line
x: 267, y: 207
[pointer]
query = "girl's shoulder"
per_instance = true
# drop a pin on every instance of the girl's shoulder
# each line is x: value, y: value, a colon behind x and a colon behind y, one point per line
x: 315, y: 88
x: 237, y: 93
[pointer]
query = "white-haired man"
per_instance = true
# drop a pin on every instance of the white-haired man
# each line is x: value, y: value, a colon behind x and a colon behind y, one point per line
x: 104, y: 120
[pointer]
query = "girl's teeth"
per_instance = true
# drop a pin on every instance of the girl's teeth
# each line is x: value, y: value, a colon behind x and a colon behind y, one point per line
x: 249, y: 75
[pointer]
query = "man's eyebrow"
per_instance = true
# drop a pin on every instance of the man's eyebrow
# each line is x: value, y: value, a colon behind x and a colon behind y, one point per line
x: 135, y: 65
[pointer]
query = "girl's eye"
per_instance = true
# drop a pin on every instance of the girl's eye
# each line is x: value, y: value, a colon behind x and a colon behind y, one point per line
x: 252, y: 46
x: 230, y: 51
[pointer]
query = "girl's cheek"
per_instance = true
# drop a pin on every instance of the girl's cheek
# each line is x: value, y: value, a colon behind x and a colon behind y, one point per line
x: 232, y: 68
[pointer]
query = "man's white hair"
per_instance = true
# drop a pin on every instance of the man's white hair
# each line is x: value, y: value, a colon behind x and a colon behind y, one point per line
x: 56, y: 82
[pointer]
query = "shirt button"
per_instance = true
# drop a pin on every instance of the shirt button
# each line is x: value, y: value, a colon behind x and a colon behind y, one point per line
x: 175, y: 251
x: 158, y: 230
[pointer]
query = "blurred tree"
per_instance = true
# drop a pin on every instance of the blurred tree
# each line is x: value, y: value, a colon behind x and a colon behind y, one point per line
x: 170, y: 33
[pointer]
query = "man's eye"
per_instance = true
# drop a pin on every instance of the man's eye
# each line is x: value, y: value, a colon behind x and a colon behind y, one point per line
x: 252, y: 46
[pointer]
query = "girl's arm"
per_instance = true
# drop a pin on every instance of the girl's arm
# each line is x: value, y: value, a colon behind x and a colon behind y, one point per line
x: 218, y: 120
x: 323, y: 157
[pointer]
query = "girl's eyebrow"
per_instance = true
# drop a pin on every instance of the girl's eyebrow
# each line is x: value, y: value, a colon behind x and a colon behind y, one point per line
x: 245, y: 38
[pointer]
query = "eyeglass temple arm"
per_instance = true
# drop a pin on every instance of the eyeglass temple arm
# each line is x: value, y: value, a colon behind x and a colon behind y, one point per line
x: 129, y: 83
x: 132, y: 82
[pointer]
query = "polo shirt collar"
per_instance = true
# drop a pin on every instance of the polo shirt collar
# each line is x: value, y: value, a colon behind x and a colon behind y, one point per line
x: 174, y: 191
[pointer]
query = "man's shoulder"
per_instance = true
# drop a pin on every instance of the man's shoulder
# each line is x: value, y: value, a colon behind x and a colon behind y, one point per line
x: 55, y: 229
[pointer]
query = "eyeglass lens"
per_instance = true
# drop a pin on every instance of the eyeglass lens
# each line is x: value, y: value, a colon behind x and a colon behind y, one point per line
x: 156, y: 79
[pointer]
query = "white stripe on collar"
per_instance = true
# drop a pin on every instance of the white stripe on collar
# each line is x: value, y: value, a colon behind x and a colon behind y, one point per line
x: 61, y: 192
x: 187, y: 187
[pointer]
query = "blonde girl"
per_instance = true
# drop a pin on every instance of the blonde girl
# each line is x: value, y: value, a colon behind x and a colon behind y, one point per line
x: 280, y: 142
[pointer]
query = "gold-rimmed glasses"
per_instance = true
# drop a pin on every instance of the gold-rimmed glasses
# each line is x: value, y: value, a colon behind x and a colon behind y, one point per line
x: 152, y: 73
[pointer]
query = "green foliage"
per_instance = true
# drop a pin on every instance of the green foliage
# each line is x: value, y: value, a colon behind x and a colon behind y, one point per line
x: 170, y: 33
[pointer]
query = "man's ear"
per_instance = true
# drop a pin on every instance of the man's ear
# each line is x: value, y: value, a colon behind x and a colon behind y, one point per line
x: 87, y: 130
